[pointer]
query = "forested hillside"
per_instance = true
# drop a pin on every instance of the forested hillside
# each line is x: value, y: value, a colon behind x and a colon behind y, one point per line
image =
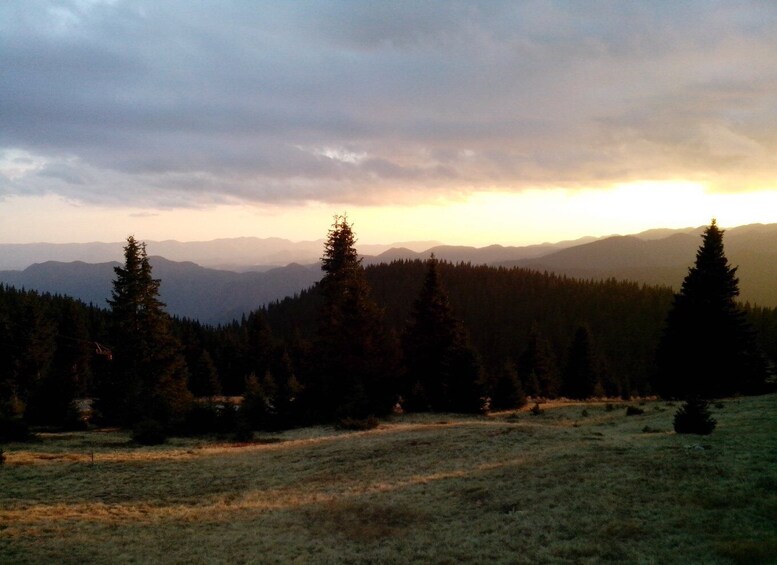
x: 502, y: 307
x: 528, y: 332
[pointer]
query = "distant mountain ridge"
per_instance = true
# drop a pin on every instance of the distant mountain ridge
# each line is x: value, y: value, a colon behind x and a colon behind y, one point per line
x: 232, y: 254
x: 217, y: 295
x: 189, y: 290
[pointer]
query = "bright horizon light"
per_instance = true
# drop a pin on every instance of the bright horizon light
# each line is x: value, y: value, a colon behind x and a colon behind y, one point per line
x: 485, y: 218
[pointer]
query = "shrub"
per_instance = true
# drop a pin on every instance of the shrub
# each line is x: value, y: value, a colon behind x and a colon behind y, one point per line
x: 536, y: 410
x: 609, y: 407
x: 694, y: 417
x: 584, y: 413
x: 358, y: 424
x: 2, y: 456
x: 149, y: 432
x: 634, y: 411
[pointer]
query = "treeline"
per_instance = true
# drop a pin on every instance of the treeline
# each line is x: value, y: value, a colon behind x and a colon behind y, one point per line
x: 508, y: 312
x: 415, y: 335
x: 49, y: 355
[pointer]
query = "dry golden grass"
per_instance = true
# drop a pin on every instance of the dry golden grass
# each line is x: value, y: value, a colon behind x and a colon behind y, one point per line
x: 562, y: 487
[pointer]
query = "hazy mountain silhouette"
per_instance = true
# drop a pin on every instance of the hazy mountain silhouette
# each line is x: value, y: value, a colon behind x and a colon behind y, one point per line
x: 189, y: 290
x: 216, y: 295
x: 491, y: 254
x: 233, y: 254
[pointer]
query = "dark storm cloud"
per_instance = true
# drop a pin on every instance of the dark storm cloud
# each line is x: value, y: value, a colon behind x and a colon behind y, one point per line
x: 183, y: 103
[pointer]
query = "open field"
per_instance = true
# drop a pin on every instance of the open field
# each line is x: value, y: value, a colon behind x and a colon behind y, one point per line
x: 577, y: 484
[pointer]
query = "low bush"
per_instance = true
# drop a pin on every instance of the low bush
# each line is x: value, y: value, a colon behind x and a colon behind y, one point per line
x: 634, y: 411
x: 536, y: 410
x: 149, y: 432
x: 694, y: 417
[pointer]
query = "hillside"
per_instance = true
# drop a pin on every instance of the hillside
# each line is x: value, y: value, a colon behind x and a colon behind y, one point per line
x: 500, y: 307
x: 581, y: 483
x: 665, y: 260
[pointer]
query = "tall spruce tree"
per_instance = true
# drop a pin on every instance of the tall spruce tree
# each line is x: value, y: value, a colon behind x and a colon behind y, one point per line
x: 537, y: 366
x: 580, y: 379
x: 149, y: 376
x: 442, y: 370
x: 708, y: 348
x: 355, y: 356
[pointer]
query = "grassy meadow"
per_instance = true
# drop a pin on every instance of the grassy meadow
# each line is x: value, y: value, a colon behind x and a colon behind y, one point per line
x: 579, y: 483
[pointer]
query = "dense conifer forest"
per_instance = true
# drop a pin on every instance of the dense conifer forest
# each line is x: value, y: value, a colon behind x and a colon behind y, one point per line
x: 420, y: 335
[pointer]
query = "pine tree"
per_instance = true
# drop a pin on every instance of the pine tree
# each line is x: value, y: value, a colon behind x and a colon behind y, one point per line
x: 149, y: 377
x: 694, y: 417
x: 204, y: 379
x: 442, y: 370
x: 260, y: 343
x: 537, y: 367
x: 580, y: 379
x: 506, y: 389
x: 355, y: 357
x: 708, y: 348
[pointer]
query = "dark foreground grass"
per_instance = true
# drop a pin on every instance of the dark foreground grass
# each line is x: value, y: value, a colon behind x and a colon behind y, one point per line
x: 579, y: 483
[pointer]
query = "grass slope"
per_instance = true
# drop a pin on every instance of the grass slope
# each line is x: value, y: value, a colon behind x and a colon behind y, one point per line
x: 576, y: 484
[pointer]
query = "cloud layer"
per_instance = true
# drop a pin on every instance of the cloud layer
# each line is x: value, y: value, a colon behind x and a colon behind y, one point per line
x: 179, y: 103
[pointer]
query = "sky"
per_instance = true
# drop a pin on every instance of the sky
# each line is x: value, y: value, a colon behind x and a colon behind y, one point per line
x: 471, y: 122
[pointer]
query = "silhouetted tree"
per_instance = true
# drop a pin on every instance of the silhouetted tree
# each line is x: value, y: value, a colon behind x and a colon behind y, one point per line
x: 579, y: 378
x: 287, y: 391
x: 506, y: 391
x: 260, y: 343
x: 442, y: 370
x: 694, y: 417
x: 355, y: 356
x: 204, y: 378
x: 537, y: 367
x: 708, y: 348
x: 149, y: 377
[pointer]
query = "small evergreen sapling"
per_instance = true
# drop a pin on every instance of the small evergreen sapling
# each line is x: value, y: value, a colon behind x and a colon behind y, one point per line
x: 694, y: 417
